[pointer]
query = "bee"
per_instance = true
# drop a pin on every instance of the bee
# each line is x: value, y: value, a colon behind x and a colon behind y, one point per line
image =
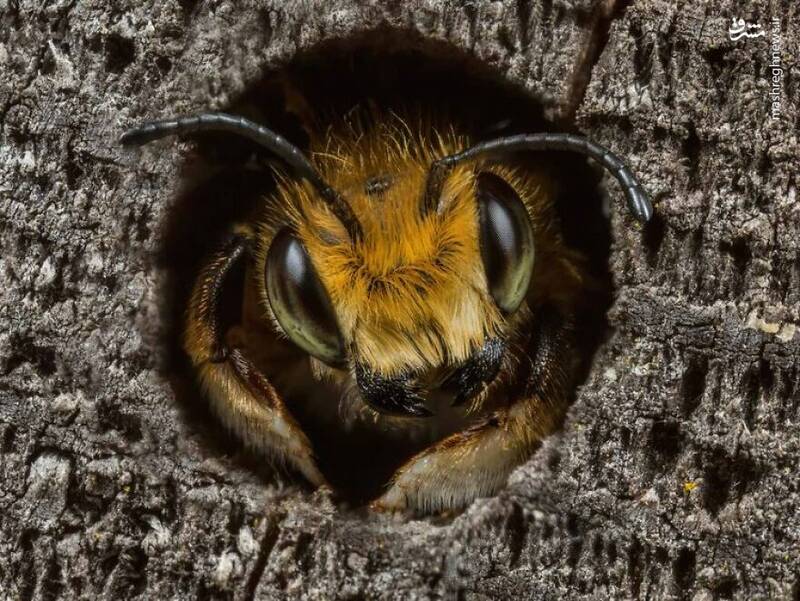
x: 404, y: 278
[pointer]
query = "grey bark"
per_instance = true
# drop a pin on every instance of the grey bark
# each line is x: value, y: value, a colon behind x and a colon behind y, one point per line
x: 676, y: 473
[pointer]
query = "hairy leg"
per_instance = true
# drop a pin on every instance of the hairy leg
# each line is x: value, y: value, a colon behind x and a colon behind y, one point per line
x: 240, y: 394
x: 478, y: 461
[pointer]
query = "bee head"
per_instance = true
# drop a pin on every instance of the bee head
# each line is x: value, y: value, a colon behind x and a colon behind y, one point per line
x: 426, y: 298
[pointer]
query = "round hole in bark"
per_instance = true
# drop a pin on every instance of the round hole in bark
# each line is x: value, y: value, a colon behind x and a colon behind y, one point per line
x: 227, y: 176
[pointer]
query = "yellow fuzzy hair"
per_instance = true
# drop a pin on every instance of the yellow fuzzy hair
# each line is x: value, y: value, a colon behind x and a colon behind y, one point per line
x: 412, y: 294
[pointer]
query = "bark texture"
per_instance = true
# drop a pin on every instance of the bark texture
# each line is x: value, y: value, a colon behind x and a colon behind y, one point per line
x: 676, y: 474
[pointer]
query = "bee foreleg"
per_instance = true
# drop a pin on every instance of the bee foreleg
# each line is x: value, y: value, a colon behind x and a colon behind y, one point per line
x: 240, y: 394
x: 470, y: 464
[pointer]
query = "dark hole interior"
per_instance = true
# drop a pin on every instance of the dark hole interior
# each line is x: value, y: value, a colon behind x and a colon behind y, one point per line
x: 226, y: 176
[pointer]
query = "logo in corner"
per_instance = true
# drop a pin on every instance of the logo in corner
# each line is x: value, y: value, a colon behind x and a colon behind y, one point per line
x: 740, y: 29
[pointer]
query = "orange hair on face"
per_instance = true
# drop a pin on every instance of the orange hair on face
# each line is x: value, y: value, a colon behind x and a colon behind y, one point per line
x: 412, y: 294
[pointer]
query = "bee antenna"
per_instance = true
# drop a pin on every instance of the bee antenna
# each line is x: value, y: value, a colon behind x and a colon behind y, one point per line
x: 638, y: 202
x: 278, y: 145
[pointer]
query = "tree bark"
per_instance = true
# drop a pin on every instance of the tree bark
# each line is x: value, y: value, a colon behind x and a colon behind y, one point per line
x: 676, y: 473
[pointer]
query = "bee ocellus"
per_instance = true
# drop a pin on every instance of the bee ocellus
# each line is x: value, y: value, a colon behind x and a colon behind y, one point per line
x: 404, y: 278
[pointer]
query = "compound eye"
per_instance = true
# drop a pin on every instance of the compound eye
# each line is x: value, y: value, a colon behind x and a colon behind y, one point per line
x: 299, y: 300
x: 506, y: 241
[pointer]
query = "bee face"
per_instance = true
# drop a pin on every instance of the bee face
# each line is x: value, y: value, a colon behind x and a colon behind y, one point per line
x: 423, y: 302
